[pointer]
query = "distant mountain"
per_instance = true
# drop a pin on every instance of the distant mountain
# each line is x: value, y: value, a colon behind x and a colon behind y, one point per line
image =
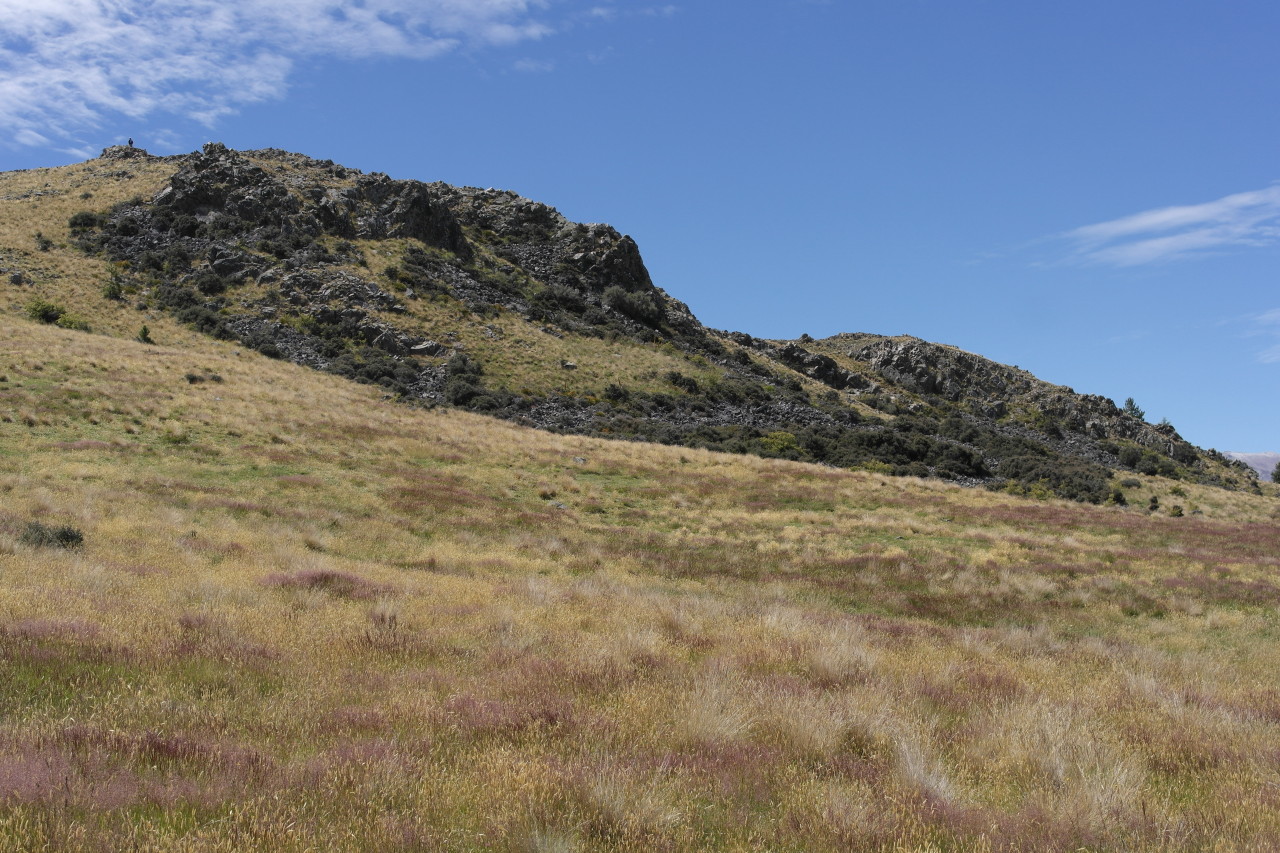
x: 484, y: 300
x: 1263, y: 463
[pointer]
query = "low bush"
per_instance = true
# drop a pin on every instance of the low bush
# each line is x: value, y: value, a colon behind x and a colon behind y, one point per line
x: 1079, y: 481
x: 640, y: 307
x: 71, y: 321
x: 374, y: 367
x: 684, y: 383
x: 40, y: 535
x: 85, y: 221
x: 558, y: 297
x: 44, y: 312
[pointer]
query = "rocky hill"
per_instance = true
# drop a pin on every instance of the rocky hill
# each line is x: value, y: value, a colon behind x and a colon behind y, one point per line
x: 488, y: 301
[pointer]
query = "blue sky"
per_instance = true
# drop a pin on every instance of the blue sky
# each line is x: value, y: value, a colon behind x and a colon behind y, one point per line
x: 1089, y: 190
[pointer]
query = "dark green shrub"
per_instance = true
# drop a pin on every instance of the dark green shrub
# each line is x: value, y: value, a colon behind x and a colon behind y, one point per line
x: 39, y: 535
x: 416, y: 272
x: 206, y: 320
x: 1071, y: 479
x: 71, y: 321
x: 259, y: 339
x: 184, y: 225
x: 640, y: 307
x: 560, y: 296
x: 44, y: 312
x: 375, y: 367
x: 210, y: 283
x: 174, y: 297
x: 176, y: 260
x: 463, y: 382
x: 85, y: 221
x: 684, y: 383
x: 150, y: 261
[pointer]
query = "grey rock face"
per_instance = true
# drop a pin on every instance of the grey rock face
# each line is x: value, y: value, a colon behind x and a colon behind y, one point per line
x: 943, y: 371
x: 125, y: 152
x: 986, y: 386
x: 378, y: 207
x: 823, y: 368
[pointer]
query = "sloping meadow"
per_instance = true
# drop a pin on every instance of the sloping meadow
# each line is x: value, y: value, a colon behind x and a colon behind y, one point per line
x: 302, y: 617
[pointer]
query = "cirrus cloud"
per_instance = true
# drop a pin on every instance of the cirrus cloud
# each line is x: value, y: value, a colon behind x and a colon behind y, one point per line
x: 67, y: 64
x: 1267, y: 324
x: 1246, y: 219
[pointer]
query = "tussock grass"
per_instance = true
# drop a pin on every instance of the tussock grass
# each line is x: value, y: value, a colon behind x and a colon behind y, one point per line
x: 323, y: 621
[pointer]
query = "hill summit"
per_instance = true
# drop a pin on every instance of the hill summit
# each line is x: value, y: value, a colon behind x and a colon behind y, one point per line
x: 488, y: 301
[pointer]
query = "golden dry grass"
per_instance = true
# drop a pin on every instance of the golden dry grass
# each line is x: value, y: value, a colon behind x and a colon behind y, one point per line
x: 305, y: 618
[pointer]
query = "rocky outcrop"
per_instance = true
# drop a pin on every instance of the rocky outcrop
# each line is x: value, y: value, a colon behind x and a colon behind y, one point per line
x: 378, y: 208
x: 219, y: 182
x: 125, y: 152
x: 822, y: 368
x: 942, y: 371
x: 991, y: 389
x: 222, y: 188
x: 536, y: 237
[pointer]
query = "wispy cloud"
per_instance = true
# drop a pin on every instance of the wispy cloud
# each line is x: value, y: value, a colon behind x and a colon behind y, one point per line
x: 534, y: 66
x: 1267, y: 324
x: 1247, y: 219
x: 608, y: 11
x: 65, y: 65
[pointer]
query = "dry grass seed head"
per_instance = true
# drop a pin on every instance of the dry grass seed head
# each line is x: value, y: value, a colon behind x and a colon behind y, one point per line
x: 840, y: 656
x: 714, y: 712
x: 618, y: 804
x: 1062, y: 757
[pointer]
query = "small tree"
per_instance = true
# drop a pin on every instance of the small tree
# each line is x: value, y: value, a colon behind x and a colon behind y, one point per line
x: 1275, y: 474
x: 1131, y: 408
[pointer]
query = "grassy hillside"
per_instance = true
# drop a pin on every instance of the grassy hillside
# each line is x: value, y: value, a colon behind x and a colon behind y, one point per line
x: 305, y: 617
x: 483, y: 300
